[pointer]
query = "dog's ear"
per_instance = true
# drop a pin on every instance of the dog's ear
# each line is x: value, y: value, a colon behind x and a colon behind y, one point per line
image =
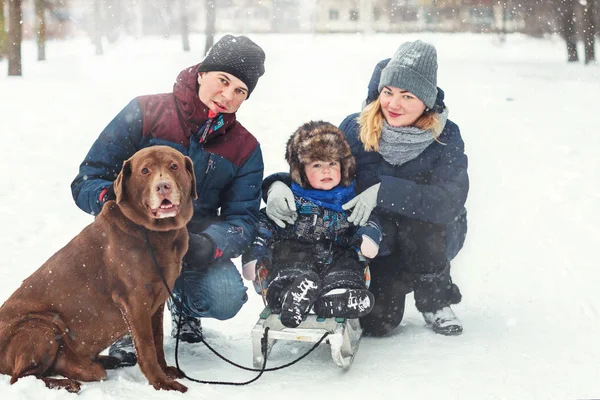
x: 189, y: 166
x: 122, y: 178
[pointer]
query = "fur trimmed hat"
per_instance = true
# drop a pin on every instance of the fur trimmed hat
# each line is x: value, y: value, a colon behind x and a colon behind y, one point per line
x: 318, y: 141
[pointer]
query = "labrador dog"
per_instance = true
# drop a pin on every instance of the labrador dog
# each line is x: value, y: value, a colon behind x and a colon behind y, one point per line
x: 105, y: 282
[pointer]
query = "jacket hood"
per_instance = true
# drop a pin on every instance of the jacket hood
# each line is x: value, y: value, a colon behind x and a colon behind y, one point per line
x: 193, y: 112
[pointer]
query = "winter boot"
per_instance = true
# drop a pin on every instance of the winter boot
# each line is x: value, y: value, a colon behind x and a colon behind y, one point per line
x: 299, y: 298
x: 444, y: 321
x: 190, y: 331
x: 344, y: 303
x: 124, y: 351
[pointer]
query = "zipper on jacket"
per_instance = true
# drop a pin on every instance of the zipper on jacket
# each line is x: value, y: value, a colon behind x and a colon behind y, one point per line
x: 205, y: 130
x: 209, y: 165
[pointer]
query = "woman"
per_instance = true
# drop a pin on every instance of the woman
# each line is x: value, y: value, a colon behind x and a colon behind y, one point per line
x: 412, y: 169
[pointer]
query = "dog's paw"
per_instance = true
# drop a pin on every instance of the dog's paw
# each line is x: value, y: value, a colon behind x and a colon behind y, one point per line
x: 173, y: 373
x: 69, y: 385
x: 169, y: 384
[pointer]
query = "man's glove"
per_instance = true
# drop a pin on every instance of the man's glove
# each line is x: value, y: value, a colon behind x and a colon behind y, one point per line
x: 281, y: 206
x: 363, y: 204
x: 108, y: 193
x: 368, y: 247
x: 202, y: 251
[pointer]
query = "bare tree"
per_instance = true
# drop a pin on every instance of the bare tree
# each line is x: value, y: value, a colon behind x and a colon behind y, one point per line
x: 566, y: 10
x: 40, y: 12
x: 589, y: 32
x: 211, y: 19
x: 3, y: 38
x: 15, y: 37
x: 185, y: 29
x: 97, y: 30
x: 537, y: 15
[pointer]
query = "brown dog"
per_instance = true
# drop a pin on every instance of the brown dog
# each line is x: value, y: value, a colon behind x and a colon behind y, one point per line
x: 105, y: 282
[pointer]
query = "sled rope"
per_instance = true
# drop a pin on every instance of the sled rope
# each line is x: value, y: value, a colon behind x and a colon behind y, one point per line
x: 264, y: 342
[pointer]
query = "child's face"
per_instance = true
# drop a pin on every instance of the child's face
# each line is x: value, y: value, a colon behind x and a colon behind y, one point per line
x: 323, y: 175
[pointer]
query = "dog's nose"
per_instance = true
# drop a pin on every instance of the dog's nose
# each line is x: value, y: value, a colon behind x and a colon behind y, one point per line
x: 163, y: 187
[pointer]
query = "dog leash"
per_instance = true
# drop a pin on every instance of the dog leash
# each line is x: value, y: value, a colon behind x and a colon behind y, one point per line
x: 263, y: 342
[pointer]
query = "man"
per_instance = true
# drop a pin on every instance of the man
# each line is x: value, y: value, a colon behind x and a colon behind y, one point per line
x: 198, y: 119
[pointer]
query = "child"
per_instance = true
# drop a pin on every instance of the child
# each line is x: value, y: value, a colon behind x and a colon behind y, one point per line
x: 314, y: 262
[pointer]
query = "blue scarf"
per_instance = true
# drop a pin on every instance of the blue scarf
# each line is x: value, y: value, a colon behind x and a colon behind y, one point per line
x: 331, y: 199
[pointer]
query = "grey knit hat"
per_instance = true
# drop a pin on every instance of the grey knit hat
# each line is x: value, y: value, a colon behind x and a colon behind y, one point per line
x: 238, y: 56
x: 413, y: 68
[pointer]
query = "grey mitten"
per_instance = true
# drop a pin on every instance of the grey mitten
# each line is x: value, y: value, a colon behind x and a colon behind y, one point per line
x: 363, y: 204
x: 281, y: 206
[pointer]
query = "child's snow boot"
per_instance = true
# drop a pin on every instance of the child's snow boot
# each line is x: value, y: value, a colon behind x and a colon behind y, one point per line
x: 298, y: 298
x: 345, y: 303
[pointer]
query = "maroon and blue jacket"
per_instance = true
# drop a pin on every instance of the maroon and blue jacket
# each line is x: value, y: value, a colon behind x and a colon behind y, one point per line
x: 227, y: 160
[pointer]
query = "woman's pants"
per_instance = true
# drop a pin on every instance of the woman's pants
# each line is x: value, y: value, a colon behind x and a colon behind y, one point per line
x: 418, y: 263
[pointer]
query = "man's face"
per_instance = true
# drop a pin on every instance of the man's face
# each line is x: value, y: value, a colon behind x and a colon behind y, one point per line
x: 221, y: 92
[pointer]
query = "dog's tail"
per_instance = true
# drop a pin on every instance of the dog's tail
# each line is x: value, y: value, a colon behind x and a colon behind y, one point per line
x: 30, y: 343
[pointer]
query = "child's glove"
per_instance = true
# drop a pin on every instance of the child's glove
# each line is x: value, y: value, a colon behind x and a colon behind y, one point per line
x: 281, y: 206
x: 257, y: 272
x: 368, y: 247
x: 363, y: 204
x: 249, y: 270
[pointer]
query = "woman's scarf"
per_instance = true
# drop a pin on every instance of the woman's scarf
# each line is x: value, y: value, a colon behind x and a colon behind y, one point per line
x: 399, y: 145
x: 331, y: 199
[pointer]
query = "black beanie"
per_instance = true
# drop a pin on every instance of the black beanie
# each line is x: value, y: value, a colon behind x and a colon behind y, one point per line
x: 238, y: 56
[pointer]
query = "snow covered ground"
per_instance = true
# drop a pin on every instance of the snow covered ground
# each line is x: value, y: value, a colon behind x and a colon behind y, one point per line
x: 529, y: 272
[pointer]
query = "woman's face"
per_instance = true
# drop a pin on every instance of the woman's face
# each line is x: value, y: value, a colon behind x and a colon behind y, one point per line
x: 399, y: 107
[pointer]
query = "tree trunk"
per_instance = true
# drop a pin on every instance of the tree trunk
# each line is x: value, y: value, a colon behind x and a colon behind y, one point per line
x: 211, y: 17
x: 568, y: 31
x: 112, y: 23
x: 40, y: 8
x: 3, y: 38
x: 15, y: 37
x: 185, y: 30
x: 98, y: 28
x: 589, y: 32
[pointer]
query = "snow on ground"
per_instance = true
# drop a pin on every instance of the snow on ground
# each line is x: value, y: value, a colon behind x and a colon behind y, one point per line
x: 529, y: 270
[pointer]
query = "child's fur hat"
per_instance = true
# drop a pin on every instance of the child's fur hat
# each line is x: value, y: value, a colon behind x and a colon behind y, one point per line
x: 318, y: 141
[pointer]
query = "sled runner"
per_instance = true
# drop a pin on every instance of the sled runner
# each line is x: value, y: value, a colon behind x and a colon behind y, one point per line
x: 344, y: 335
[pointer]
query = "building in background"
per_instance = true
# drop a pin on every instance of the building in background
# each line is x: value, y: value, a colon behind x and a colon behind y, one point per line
x: 118, y: 18
x: 404, y: 15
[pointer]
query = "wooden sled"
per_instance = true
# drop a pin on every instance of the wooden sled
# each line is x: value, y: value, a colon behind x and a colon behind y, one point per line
x: 344, y: 335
